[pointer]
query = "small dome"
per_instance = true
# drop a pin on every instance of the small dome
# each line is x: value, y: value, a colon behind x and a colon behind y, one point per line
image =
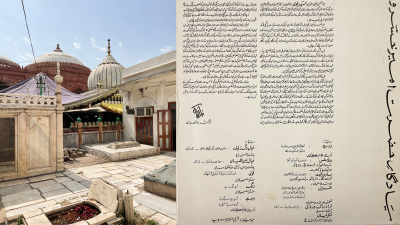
x: 57, y: 56
x: 4, y: 61
x: 109, y: 71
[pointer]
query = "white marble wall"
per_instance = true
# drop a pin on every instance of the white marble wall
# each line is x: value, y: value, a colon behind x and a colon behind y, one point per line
x: 157, y: 92
x: 38, y: 139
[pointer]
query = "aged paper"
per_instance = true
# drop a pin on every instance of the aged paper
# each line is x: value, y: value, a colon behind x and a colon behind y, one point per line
x: 288, y: 112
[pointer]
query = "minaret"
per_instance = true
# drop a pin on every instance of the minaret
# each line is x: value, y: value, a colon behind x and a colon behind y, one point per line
x: 58, y: 79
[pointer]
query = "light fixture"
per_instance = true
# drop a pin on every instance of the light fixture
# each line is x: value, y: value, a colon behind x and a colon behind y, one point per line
x: 40, y: 83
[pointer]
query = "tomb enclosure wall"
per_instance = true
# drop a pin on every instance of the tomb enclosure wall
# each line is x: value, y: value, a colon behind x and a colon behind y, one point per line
x: 38, y: 138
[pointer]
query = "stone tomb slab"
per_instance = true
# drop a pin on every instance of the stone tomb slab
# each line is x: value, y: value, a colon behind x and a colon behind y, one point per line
x: 125, y: 144
x: 159, y: 204
x: 105, y: 194
x: 102, y: 150
x: 74, y: 186
x: 62, y: 179
x: 86, y: 183
x: 56, y: 193
x: 43, y: 183
x: 40, y: 219
x: 21, y: 197
x: 50, y: 188
x: 13, y: 182
x: 14, y: 189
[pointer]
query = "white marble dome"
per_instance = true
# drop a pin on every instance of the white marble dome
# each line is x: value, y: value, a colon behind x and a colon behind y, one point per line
x: 5, y: 58
x: 4, y: 61
x: 57, y: 56
x: 109, y: 71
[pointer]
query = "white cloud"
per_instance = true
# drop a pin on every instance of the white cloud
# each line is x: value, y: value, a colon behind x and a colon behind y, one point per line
x: 139, y: 61
x: 119, y: 44
x: 76, y: 38
x: 97, y: 58
x: 27, y: 57
x: 166, y: 49
x: 10, y: 40
x: 94, y: 45
x: 26, y: 39
x: 77, y: 45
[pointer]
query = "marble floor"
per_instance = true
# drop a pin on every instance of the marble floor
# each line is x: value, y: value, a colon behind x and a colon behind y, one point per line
x: 52, y: 190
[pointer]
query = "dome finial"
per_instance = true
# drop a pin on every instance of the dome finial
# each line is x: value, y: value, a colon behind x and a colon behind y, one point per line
x: 109, y: 51
x: 58, y: 48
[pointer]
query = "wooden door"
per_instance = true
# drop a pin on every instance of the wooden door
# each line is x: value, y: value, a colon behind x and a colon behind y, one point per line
x: 172, y: 107
x: 164, y: 130
x: 144, y: 130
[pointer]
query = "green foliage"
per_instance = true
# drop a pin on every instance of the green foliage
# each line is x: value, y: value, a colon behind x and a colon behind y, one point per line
x: 121, y: 214
x: 152, y: 222
x: 121, y: 222
x: 138, y: 220
x: 20, y: 220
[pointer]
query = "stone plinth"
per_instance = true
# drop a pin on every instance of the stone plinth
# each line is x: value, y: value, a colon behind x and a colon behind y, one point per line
x: 162, y: 181
x: 126, y: 144
x: 160, y: 189
x: 102, y: 150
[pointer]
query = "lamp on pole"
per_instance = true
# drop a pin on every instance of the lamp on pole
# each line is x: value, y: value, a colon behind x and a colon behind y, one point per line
x: 40, y: 83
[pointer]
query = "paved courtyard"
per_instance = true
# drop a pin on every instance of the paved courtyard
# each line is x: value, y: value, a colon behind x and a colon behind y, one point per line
x: 36, y: 194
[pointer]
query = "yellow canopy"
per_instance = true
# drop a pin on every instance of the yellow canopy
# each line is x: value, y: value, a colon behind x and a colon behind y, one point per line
x: 113, y: 107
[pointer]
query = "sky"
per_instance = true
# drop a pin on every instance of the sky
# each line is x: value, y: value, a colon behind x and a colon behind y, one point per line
x: 139, y: 29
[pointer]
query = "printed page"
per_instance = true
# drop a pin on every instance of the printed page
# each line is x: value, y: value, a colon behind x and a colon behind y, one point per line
x: 288, y: 112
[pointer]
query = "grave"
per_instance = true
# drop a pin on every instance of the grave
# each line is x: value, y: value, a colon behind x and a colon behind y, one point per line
x: 162, y: 181
x: 106, y: 194
x: 125, y: 144
x: 118, y: 151
x: 105, y: 197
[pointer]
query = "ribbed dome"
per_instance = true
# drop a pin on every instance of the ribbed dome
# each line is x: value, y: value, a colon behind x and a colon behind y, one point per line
x: 4, y: 61
x: 57, y: 56
x: 109, y: 71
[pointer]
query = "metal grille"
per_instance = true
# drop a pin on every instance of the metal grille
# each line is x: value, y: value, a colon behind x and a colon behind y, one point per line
x: 70, y: 140
x: 90, y: 138
x: 7, y: 144
x: 109, y: 136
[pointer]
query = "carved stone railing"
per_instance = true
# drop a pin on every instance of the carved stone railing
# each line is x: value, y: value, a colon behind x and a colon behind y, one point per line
x: 26, y: 100
x: 115, y: 99
x: 95, y: 124
x: 81, y: 127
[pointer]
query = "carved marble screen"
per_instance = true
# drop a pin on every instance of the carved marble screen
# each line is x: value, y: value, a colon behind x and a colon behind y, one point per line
x: 7, y: 145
